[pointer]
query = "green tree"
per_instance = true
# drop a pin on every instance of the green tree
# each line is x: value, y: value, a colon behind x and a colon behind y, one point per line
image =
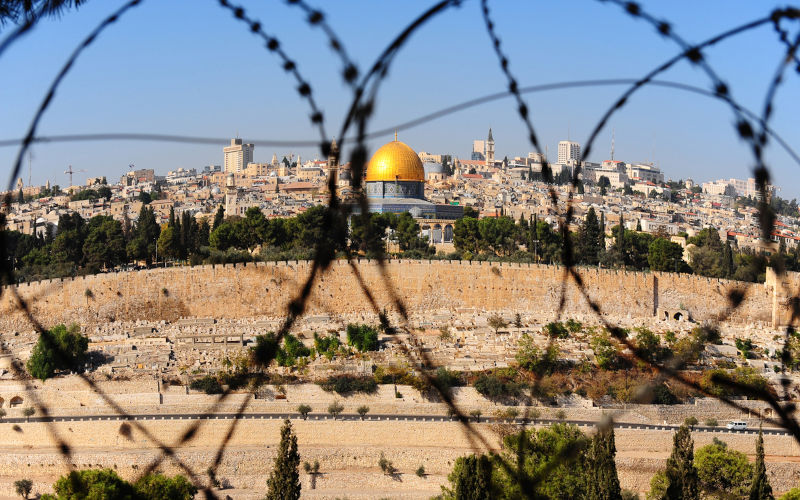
x: 728, y: 268
x: 603, y: 483
x: 471, y: 479
x: 556, y: 456
x: 92, y: 484
x: 104, y: 246
x: 304, y: 410
x: 682, y: 479
x: 497, y: 322
x: 605, y: 351
x: 466, y: 236
x: 530, y: 357
x: 284, y: 482
x: 59, y: 348
x: 664, y: 255
x: 588, y: 244
x: 648, y: 345
x: 362, y: 337
x: 143, y: 244
x: 408, y: 236
x: 23, y: 487
x: 760, y: 488
x: 793, y: 494
x: 219, y: 217
x: 723, y: 471
x: 159, y: 486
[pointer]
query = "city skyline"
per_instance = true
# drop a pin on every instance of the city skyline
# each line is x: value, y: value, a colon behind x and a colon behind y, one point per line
x: 182, y: 91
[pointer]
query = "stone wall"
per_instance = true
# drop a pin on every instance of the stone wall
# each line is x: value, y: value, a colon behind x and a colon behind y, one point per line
x: 265, y: 290
x: 347, y: 451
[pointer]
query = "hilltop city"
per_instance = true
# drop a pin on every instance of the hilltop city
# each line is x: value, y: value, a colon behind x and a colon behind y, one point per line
x: 166, y: 292
x: 484, y: 184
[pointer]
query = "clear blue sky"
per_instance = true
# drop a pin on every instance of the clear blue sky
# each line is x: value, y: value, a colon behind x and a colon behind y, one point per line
x: 189, y: 68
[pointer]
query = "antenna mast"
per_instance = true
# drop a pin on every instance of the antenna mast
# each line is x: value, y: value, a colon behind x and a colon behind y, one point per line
x: 613, y: 132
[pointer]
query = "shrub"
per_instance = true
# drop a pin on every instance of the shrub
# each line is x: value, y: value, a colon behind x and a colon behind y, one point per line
x: 629, y: 495
x: 721, y: 383
x: 362, y: 337
x: 421, y: 471
x: 605, y: 352
x: 573, y: 326
x: 556, y: 330
x: 561, y: 415
x: 347, y: 384
x: 29, y: 411
x: 304, y: 410
x: 207, y: 384
x: 386, y: 466
x: 663, y: 396
x: 335, y: 408
x: 711, y: 422
x: 292, y: 349
x: 531, y: 358
x: 327, y: 346
x: 444, y: 334
x: 476, y: 414
x: 690, y: 421
x: 311, y: 469
x: 2, y: 413
x: 492, y: 387
x: 59, y: 348
x: 446, y: 379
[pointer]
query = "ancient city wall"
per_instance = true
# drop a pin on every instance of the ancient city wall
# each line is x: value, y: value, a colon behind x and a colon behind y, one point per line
x: 265, y: 289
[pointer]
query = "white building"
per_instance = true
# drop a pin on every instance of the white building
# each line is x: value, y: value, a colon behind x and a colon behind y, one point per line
x: 237, y: 156
x: 569, y: 153
x: 645, y: 173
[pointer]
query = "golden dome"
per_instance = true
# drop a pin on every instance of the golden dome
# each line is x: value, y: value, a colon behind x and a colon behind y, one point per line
x: 395, y: 161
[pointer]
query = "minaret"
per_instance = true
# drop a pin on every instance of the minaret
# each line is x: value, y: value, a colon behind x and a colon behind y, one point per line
x: 231, y: 196
x: 490, y: 149
x: 274, y: 160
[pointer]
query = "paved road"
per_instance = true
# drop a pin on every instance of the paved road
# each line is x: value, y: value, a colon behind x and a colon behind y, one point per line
x: 371, y: 418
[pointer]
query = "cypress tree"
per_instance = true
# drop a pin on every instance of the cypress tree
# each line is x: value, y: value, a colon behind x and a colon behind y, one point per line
x: 219, y: 217
x: 471, y: 479
x: 603, y: 482
x: 284, y: 482
x: 727, y: 260
x: 760, y: 489
x: 589, y: 238
x: 20, y: 196
x: 682, y: 480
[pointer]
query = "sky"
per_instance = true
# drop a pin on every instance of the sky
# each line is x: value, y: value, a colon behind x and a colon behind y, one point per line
x: 189, y: 68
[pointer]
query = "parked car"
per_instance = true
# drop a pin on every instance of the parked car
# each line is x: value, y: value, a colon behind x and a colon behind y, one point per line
x: 737, y: 425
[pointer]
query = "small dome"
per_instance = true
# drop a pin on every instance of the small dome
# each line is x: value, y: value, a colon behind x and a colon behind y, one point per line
x: 433, y: 168
x: 395, y: 161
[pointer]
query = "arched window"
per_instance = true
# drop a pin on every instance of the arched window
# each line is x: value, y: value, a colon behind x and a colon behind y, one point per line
x: 15, y: 401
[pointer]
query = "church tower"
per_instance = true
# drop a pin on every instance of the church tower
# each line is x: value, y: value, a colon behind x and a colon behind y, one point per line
x: 333, y: 161
x: 490, y: 149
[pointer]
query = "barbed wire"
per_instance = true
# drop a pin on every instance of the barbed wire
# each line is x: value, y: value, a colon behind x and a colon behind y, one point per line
x: 360, y: 111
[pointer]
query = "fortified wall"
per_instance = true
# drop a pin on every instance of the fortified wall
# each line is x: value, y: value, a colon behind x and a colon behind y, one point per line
x: 266, y: 289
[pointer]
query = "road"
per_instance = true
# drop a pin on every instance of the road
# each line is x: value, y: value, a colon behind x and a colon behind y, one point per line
x: 371, y: 418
